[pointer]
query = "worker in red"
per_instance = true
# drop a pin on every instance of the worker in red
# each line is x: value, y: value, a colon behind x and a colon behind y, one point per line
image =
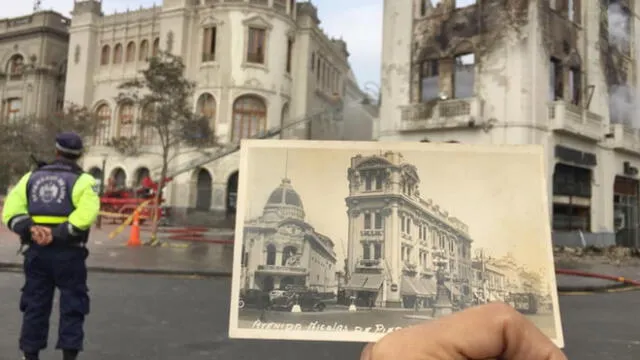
x: 150, y: 187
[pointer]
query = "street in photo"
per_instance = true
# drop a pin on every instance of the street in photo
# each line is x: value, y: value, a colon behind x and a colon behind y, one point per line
x: 350, y: 241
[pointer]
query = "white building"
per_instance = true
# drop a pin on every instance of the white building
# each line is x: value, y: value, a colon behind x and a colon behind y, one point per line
x: 543, y: 75
x: 258, y: 64
x: 395, y: 234
x: 280, y: 249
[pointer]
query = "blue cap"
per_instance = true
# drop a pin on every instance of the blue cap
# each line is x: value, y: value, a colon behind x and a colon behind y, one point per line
x: 69, y: 143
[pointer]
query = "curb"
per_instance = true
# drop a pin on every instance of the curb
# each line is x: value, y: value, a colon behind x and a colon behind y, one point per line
x: 15, y: 267
x: 594, y: 288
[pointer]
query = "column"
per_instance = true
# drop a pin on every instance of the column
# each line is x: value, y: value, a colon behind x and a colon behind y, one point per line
x: 392, y: 257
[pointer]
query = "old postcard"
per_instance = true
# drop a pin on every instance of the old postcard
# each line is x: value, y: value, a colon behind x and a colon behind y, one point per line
x: 348, y: 241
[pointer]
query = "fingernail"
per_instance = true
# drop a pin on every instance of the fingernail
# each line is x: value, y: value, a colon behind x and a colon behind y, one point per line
x: 366, y: 352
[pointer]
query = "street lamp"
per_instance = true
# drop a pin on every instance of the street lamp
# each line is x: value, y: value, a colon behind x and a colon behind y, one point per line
x: 101, y: 191
x: 443, y: 305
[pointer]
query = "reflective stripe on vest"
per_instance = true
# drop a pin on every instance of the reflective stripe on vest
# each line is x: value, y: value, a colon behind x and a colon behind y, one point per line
x: 49, y: 220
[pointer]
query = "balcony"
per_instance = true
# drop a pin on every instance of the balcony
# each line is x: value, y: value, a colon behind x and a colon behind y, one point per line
x: 442, y: 114
x: 282, y: 270
x: 372, y: 235
x: 369, y: 264
x: 571, y: 119
x: 625, y: 138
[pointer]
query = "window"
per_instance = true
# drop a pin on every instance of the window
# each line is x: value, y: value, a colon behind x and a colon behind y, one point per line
x: 14, y: 109
x: 289, y: 54
x: 256, y: 45
x: 366, y: 251
x: 117, y: 54
x: 402, y: 223
x: 556, y: 82
x: 105, y: 56
x: 104, y: 125
x: 125, y: 119
x: 313, y: 61
x: 15, y: 67
x: 575, y: 85
x: 144, y: 51
x: 464, y: 76
x: 156, y: 47
x: 379, y: 181
x: 429, y: 88
x: 318, y: 68
x: 368, y: 182
x: 377, y: 251
x: 147, y: 131
x: 377, y: 221
x: 408, y: 229
x: 209, y: 44
x: 249, y: 117
x: 367, y: 221
x: 131, y: 52
x: 206, y: 107
x: 423, y: 7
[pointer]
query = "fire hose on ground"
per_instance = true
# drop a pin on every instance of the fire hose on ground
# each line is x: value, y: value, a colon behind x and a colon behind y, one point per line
x: 618, y: 283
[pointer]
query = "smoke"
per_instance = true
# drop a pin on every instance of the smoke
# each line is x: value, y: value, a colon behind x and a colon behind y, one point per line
x: 624, y: 100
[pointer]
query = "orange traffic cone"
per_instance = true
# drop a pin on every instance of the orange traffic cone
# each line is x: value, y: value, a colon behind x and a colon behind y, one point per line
x: 134, y: 236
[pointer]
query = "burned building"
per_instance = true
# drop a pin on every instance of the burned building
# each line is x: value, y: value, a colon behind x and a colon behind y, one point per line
x: 559, y: 73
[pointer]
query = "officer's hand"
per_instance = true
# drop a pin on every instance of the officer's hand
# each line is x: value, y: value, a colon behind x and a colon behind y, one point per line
x: 482, y: 332
x: 41, y: 235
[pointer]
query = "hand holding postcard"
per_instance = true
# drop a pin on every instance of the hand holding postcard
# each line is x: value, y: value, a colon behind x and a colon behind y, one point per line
x: 348, y: 241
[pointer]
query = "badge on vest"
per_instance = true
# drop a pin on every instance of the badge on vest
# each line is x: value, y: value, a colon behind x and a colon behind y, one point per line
x: 49, y: 189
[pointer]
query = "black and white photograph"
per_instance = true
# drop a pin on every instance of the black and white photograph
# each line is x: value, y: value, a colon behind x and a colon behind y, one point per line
x: 348, y: 241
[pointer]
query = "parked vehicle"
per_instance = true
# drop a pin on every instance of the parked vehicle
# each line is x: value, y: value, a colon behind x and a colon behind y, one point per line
x: 254, y: 298
x: 308, y: 301
x: 526, y: 303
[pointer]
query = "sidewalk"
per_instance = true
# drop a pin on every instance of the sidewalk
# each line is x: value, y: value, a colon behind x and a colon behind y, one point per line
x: 112, y: 255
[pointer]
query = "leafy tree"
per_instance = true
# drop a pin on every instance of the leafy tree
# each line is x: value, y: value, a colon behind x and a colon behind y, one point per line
x: 165, y: 96
x: 25, y: 139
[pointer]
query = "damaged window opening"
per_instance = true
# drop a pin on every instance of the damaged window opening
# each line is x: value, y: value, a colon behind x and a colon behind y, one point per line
x: 464, y: 76
x: 429, y: 71
x: 575, y: 85
x: 619, y: 19
x: 570, y: 10
x: 464, y: 3
x: 556, y: 87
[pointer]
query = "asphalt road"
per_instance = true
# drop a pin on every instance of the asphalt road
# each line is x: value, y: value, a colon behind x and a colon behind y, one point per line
x: 148, y: 317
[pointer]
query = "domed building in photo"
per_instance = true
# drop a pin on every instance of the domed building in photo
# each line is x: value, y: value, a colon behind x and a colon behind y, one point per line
x: 281, y: 249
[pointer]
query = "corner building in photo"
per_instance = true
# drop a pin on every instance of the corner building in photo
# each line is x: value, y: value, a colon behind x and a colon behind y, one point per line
x: 281, y: 250
x: 257, y: 65
x: 395, y: 234
x: 546, y: 73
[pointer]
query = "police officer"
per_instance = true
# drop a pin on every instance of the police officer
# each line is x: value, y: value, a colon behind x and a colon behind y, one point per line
x: 52, y: 210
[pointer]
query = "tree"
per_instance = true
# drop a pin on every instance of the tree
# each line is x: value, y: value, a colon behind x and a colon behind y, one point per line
x: 166, y: 97
x: 27, y: 138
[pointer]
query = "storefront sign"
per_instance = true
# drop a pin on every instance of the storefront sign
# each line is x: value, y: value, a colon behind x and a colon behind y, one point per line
x: 629, y: 170
x: 575, y: 156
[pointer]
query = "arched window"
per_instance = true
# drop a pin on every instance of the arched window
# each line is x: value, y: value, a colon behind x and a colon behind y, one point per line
x: 156, y: 47
x: 131, y: 52
x: 117, y: 54
x: 15, y: 67
x: 125, y: 119
x: 103, y: 129
x: 105, y: 56
x: 144, y: 50
x: 206, y: 107
x: 204, y: 183
x: 146, y: 129
x: 249, y: 117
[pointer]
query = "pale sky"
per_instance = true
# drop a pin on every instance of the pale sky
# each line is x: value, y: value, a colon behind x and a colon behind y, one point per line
x: 358, y: 22
x: 499, y: 195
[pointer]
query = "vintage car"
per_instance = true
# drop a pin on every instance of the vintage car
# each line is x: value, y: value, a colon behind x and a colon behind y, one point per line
x: 254, y: 298
x: 308, y: 301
